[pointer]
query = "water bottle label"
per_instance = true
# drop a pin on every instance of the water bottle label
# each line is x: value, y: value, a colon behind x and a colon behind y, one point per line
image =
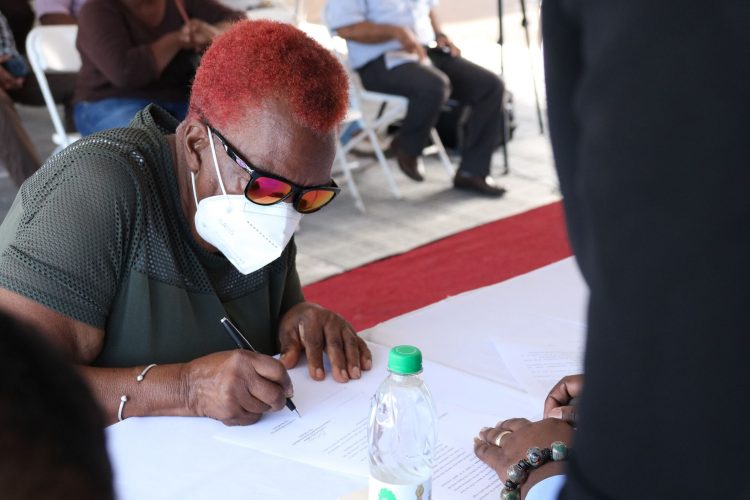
x: 385, y: 491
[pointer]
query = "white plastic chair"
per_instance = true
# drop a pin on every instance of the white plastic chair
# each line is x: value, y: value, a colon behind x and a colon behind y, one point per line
x: 52, y: 49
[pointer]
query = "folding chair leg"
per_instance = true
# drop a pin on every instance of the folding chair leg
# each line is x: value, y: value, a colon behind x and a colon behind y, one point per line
x: 358, y: 202
x: 441, y: 153
x: 383, y: 163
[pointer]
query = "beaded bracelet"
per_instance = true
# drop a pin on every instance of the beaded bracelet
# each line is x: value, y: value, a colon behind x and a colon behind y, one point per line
x: 535, y: 458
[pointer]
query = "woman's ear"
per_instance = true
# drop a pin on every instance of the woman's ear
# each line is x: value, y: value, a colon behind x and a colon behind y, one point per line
x: 194, y: 143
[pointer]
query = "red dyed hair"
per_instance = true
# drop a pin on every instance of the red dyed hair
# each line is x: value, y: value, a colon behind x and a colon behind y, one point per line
x: 257, y: 60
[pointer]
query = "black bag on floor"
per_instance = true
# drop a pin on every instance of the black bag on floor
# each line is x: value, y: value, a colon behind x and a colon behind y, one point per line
x: 453, y: 120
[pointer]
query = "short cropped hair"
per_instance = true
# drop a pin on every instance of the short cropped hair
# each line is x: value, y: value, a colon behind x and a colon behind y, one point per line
x: 258, y: 60
x: 52, y: 443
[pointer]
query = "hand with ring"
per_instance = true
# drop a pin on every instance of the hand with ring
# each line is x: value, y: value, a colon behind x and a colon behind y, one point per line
x: 507, y: 442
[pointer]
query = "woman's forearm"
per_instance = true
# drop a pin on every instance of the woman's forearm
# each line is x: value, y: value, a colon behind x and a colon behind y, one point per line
x: 163, y: 390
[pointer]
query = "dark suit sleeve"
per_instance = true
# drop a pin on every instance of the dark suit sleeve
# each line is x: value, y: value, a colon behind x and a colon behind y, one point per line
x: 563, y: 62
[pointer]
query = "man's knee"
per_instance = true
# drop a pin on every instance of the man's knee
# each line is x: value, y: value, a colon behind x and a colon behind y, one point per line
x: 494, y: 89
x: 436, y: 88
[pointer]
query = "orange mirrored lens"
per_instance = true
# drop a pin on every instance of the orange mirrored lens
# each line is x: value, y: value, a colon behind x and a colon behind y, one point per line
x: 314, y: 199
x: 267, y: 190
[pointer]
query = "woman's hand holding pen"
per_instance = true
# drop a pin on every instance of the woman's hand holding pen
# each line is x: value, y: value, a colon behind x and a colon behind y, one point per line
x: 314, y: 329
x: 236, y: 387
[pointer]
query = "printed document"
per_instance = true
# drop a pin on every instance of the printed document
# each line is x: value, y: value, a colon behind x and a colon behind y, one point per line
x: 539, y: 362
x: 332, y: 432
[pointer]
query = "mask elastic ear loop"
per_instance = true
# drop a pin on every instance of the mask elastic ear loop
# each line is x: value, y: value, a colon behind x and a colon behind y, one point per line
x: 216, y: 162
x: 195, y: 193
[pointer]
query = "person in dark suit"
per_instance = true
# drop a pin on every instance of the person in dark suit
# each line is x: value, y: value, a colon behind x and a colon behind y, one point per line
x: 649, y: 109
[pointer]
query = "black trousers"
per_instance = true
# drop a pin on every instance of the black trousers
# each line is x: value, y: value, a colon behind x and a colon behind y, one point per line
x: 429, y: 87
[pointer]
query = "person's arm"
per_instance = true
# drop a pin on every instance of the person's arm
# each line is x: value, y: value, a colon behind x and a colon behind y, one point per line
x: 50, y: 12
x: 166, y: 48
x: 8, y: 81
x: 441, y: 38
x: 519, y: 435
x: 209, y: 19
x: 367, y: 32
x: 107, y: 43
x: 236, y: 387
x: 57, y: 18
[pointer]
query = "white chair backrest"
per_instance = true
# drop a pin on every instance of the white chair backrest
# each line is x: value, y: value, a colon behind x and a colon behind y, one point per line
x: 53, y: 48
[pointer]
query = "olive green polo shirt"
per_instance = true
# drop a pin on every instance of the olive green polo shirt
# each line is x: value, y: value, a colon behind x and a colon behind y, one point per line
x: 98, y: 234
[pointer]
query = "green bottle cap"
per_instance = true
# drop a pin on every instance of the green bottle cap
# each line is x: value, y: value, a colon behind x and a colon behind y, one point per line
x: 405, y: 360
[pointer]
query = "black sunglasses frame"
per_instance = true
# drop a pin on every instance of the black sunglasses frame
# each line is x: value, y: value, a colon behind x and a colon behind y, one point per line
x: 255, y: 173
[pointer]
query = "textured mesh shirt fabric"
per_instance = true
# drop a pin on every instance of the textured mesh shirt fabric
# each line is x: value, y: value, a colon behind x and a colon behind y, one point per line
x: 98, y: 234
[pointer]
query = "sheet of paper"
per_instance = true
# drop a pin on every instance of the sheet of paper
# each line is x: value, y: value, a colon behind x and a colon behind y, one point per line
x: 460, y: 328
x: 538, y: 364
x: 162, y: 458
x: 332, y: 432
x: 396, y: 58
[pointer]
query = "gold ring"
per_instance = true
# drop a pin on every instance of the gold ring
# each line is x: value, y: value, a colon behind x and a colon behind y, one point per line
x: 500, y: 438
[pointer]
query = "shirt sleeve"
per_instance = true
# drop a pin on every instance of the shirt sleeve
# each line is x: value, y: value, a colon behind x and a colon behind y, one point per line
x: 547, y: 489
x: 42, y: 7
x: 67, y: 240
x: 340, y: 13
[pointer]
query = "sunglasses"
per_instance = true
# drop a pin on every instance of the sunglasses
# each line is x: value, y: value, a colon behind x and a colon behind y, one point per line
x: 265, y: 188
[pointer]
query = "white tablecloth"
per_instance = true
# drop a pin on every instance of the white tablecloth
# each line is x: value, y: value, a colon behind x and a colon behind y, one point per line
x: 178, y: 458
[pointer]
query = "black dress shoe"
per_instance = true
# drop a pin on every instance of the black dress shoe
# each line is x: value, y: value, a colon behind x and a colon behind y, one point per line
x: 406, y: 162
x: 478, y: 184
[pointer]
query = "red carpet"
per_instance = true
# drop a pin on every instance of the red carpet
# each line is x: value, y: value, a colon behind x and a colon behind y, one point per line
x: 471, y: 259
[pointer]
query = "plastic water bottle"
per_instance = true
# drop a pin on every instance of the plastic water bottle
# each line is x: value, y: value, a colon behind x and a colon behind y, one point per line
x: 402, y: 435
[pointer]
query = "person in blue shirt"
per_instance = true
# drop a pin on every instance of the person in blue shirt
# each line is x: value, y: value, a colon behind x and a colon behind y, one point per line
x: 397, y: 47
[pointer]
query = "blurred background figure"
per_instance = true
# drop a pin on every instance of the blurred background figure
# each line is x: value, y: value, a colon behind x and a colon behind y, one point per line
x: 398, y: 47
x: 17, y: 154
x: 137, y: 52
x: 52, y: 444
x: 58, y: 11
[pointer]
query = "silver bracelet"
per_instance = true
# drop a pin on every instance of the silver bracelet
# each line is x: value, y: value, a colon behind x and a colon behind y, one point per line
x: 144, y: 372
x: 124, y: 398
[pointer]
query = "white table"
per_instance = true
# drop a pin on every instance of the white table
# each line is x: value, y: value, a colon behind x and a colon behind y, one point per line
x: 178, y: 458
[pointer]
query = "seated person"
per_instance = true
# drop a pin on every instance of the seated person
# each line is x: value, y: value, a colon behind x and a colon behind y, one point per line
x: 51, y: 430
x: 58, y: 11
x: 128, y: 247
x: 388, y: 46
x: 21, y: 18
x: 136, y: 52
x: 17, y: 154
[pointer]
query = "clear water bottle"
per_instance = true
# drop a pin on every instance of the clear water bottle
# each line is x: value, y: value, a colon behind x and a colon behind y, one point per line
x: 402, y: 435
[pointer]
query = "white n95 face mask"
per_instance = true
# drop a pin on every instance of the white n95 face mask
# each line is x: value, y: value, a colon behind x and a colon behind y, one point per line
x: 250, y: 236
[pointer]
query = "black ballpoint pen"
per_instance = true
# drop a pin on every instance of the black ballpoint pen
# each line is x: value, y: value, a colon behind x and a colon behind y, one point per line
x: 243, y: 343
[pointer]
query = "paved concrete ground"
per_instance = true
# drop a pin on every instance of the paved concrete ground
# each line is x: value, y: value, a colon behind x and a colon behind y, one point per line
x: 341, y: 238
